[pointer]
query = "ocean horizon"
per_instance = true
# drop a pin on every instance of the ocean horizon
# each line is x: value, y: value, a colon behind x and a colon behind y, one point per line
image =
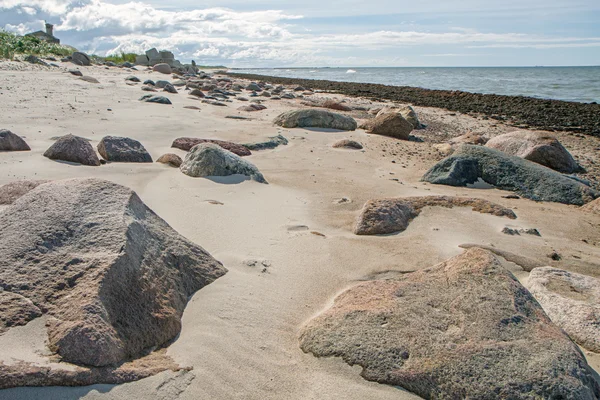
x: 578, y: 84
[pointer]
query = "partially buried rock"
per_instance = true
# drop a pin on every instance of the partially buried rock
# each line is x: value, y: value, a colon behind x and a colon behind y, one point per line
x: 464, y: 329
x: 170, y: 88
x: 389, y: 124
x: 271, y: 143
x: 162, y: 68
x: 75, y: 72
x: 470, y: 163
x: 13, y: 190
x: 347, y: 144
x: 538, y: 147
x: 112, y: 277
x: 315, y: 119
x: 171, y: 159
x: 209, y: 159
x: 468, y: 138
x: 89, y: 79
x: 186, y: 143
x: 148, y: 98
x: 123, y: 149
x: 73, y: 149
x: 12, y: 142
x: 252, y: 107
x: 197, y: 92
x: 385, y: 216
x: 132, y: 78
x: 334, y: 105
x: 148, y: 88
x: 572, y: 301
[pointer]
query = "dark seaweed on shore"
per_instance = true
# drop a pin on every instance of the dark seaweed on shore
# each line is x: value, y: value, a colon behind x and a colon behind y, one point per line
x: 520, y: 111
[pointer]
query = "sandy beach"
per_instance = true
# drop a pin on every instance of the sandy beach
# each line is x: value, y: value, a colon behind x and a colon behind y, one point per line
x: 288, y: 245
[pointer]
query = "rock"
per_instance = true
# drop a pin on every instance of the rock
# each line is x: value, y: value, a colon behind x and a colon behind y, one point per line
x: 178, y: 83
x: 172, y: 159
x: 162, y: 68
x: 347, y: 144
x: 593, y: 206
x: 16, y: 310
x: 80, y: 58
x: 538, y: 147
x: 13, y: 190
x: 315, y: 119
x: 252, y: 107
x: 12, y: 142
x: 444, y: 149
x: 209, y: 159
x: 132, y: 78
x: 170, y: 88
x: 334, y: 105
x: 73, y: 149
x: 186, y: 143
x: 214, y: 103
x: 406, y: 112
x: 198, y: 93
x: 386, y: 216
x: 150, y: 82
x: 89, y: 79
x: 517, y: 231
x: 148, y: 98
x: 75, y: 72
x: 470, y: 163
x: 162, y: 84
x: 253, y: 87
x: 112, y: 276
x: 35, y: 60
x: 468, y: 138
x: 149, y: 88
x: 273, y: 142
x: 389, y: 124
x: 464, y: 329
x: 572, y: 301
x: 122, y: 149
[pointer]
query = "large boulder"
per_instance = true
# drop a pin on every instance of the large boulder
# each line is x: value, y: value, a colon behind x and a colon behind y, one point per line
x: 464, y: 329
x: 385, y: 216
x: 112, y: 277
x: 73, y: 149
x: 13, y: 190
x: 12, y: 142
x: 186, y: 143
x: 209, y: 159
x: 163, y: 68
x: 80, y: 58
x: 389, y: 124
x: 122, y: 149
x: 538, y: 147
x: 470, y: 163
x: 571, y: 300
x: 407, y: 112
x: 315, y: 119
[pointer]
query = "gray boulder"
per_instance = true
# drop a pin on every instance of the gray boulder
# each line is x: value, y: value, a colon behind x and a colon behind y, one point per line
x: 538, y: 147
x: 273, y: 142
x: 149, y: 98
x: 161, y: 84
x: 132, y: 78
x: 385, y: 216
x: 464, y: 329
x: 75, y: 72
x: 122, y: 149
x: 80, y: 58
x: 13, y: 190
x: 163, y: 68
x: 73, y: 149
x: 170, y: 88
x: 571, y: 300
x: 12, y: 142
x: 315, y: 119
x: 209, y: 159
x: 470, y: 163
x: 112, y: 276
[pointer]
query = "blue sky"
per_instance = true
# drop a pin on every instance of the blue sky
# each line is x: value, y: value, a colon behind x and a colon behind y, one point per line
x: 270, y: 33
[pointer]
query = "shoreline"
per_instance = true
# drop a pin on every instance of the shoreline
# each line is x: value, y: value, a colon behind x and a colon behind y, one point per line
x: 518, y: 111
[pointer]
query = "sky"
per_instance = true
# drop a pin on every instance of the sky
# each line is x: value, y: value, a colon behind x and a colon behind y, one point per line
x: 320, y: 33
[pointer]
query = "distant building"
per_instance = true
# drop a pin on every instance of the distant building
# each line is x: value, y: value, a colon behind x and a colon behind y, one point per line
x: 47, y: 36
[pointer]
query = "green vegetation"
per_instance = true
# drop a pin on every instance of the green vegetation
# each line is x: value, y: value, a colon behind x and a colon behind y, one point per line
x: 12, y: 44
x: 121, y: 58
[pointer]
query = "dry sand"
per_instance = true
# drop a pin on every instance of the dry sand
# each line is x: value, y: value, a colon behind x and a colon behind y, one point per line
x: 240, y: 333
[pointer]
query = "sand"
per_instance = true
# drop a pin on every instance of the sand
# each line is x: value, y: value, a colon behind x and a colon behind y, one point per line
x: 288, y: 245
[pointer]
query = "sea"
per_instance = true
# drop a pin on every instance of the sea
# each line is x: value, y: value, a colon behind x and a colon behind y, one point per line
x: 578, y: 84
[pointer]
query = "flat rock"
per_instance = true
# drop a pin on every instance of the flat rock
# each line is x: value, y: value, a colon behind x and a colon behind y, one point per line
x: 384, y: 216
x: 309, y: 118
x: 464, y: 329
x: 271, y: 143
x: 390, y: 124
x: 73, y: 149
x: 252, y: 107
x: 89, y: 79
x: 186, y: 143
x: 162, y: 68
x: 470, y: 163
x: 75, y: 72
x: 538, y: 147
x: 123, y: 149
x: 172, y: 159
x: 12, y: 142
x: 149, y: 98
x: 13, y: 190
x: 347, y: 144
x: 571, y: 300
x: 111, y: 276
x: 209, y: 159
